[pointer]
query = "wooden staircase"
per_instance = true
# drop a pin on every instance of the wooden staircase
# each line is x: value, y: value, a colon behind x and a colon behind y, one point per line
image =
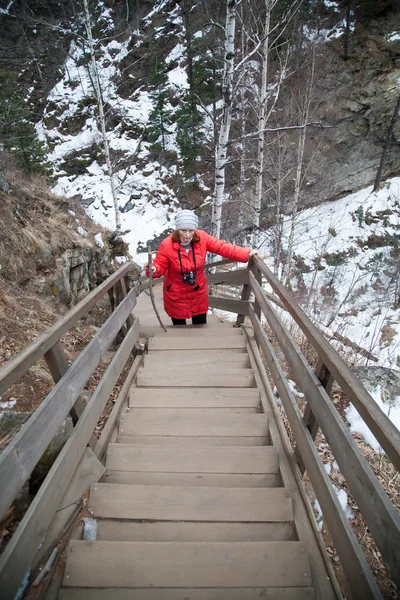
x: 192, y: 505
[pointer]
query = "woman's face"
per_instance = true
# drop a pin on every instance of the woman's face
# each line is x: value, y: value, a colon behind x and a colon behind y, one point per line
x: 186, y: 235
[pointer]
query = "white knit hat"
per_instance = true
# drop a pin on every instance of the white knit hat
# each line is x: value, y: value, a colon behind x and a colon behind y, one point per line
x: 186, y: 219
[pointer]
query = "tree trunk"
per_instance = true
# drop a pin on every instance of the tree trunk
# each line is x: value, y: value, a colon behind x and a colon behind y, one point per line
x: 261, y: 126
x: 379, y: 174
x: 223, y: 139
x: 299, y: 168
x: 100, y: 104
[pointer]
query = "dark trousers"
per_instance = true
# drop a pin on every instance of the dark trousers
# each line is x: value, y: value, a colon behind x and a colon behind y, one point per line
x: 196, y: 320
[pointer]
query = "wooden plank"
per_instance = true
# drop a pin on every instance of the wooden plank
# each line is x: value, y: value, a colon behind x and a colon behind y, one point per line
x: 176, y: 440
x: 324, y: 579
x: 184, y: 425
x: 379, y: 513
x: 236, y: 277
x: 209, y: 410
x: 125, y: 457
x: 20, y: 457
x: 17, y: 557
x: 191, y: 564
x: 15, y: 368
x: 202, y: 377
x: 298, y: 593
x: 194, y: 479
x: 235, y: 306
x: 198, y: 398
x: 383, y: 429
x: 179, y: 503
x: 191, y: 414
x: 207, y: 330
x: 111, y: 423
x: 131, y: 531
x: 354, y: 563
x: 204, y: 358
x: 196, y: 342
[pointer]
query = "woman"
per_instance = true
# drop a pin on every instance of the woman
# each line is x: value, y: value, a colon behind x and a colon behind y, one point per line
x: 181, y: 257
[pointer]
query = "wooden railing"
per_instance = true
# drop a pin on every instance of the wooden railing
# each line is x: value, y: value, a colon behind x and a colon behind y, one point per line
x: 379, y: 513
x: 21, y: 456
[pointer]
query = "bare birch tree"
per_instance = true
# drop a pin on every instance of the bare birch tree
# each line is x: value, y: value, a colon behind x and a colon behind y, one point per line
x: 221, y: 151
x: 300, y: 165
x: 102, y: 118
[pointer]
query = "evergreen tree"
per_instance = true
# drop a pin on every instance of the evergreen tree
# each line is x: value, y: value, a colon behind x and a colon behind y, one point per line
x: 189, y: 134
x: 17, y: 129
x: 160, y: 118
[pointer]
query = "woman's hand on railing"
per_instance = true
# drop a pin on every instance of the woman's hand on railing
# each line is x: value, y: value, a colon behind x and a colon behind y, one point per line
x: 253, y: 252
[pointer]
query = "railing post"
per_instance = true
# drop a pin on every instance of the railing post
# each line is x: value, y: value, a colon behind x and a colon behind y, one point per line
x: 326, y: 379
x: 125, y: 289
x: 58, y: 364
x: 247, y: 291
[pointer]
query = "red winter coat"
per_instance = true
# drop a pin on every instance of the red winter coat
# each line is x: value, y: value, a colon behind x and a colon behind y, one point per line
x: 182, y: 300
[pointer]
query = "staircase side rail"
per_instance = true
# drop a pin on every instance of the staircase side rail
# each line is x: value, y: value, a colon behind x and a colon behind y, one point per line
x: 360, y: 578
x: 20, y: 457
x: 379, y: 513
x: 15, y: 368
x: 16, y: 561
x: 219, y: 263
x: 380, y: 425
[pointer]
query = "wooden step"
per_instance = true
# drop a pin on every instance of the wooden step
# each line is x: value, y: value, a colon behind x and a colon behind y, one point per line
x: 189, y: 564
x: 199, y: 377
x: 182, y: 424
x: 220, y: 459
x: 196, y: 358
x: 210, y: 329
x: 186, y: 440
x: 194, y: 479
x: 129, y: 531
x: 197, y: 342
x: 287, y: 593
x: 197, y: 398
x: 179, y: 503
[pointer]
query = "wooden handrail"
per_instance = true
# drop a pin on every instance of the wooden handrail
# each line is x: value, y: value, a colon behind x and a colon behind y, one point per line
x: 20, y: 457
x: 15, y: 368
x: 17, y: 557
x: 378, y: 511
x: 380, y: 425
x: 361, y: 580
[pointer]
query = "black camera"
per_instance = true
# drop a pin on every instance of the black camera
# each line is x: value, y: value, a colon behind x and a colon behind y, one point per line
x: 189, y: 278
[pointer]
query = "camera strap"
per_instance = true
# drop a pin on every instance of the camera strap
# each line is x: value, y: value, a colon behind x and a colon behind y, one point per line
x: 194, y: 258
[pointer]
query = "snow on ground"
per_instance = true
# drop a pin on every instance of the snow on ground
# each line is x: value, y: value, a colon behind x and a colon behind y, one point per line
x: 357, y: 424
x: 146, y: 202
x: 350, y: 291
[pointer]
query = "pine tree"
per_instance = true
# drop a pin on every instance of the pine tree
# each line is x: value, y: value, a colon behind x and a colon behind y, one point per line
x: 189, y: 134
x: 17, y: 129
x: 160, y: 118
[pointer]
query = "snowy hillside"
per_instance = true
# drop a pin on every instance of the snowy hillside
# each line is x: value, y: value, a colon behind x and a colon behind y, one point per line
x: 348, y: 268
x: 146, y: 200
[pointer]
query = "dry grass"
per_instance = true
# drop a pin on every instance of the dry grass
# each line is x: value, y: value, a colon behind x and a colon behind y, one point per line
x: 37, y: 225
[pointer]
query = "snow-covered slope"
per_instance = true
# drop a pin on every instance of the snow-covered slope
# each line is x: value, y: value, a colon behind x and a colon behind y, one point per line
x: 69, y: 127
x: 347, y: 272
